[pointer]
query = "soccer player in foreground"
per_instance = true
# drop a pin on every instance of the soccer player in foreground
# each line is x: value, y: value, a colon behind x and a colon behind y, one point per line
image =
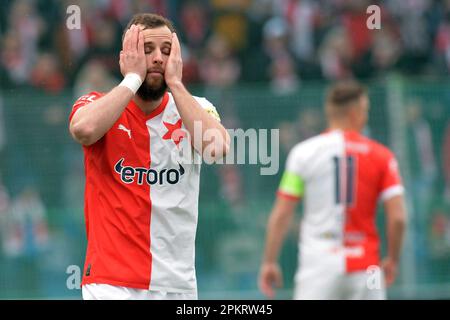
x: 141, y: 203
x: 340, y: 174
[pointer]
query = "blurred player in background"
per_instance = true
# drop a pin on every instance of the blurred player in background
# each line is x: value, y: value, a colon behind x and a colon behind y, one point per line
x: 341, y: 175
x: 141, y: 205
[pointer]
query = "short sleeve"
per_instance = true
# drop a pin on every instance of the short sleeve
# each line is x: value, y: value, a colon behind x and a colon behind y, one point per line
x: 82, y: 101
x: 296, y: 160
x: 292, y: 183
x: 209, y: 107
x: 391, y: 183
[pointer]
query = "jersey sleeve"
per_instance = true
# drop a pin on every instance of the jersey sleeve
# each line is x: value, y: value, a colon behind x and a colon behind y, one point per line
x: 82, y: 101
x: 292, y: 185
x: 391, y: 183
x: 209, y: 107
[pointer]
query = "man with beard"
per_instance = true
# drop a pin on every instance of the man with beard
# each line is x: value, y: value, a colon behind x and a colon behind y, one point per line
x: 141, y: 203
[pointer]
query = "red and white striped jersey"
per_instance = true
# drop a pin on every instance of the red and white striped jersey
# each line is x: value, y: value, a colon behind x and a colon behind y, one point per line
x: 141, y: 205
x: 341, y: 175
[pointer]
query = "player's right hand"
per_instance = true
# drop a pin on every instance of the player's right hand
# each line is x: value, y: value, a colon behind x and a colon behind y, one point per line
x: 270, y: 275
x: 132, y: 57
x: 390, y: 270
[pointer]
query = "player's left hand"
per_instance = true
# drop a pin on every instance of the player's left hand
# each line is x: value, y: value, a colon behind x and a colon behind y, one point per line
x: 270, y: 276
x: 174, y: 67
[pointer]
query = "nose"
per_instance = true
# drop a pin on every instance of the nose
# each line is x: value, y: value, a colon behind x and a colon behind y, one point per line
x: 157, y: 57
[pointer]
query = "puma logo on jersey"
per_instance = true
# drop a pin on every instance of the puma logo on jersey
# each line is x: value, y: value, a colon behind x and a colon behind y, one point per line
x: 123, y: 128
x: 130, y: 174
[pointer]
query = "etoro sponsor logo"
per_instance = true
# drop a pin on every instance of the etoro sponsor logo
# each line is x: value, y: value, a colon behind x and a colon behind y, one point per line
x: 129, y: 174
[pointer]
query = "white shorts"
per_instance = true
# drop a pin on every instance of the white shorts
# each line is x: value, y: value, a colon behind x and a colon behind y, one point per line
x: 95, y: 291
x: 329, y: 285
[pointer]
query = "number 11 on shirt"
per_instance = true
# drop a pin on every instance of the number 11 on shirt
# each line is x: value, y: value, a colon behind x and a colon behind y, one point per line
x: 344, y: 168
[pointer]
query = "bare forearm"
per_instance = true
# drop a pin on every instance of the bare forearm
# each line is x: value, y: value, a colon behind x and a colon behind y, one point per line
x: 191, y: 113
x: 276, y: 232
x: 395, y: 234
x: 90, y: 123
x: 395, y: 225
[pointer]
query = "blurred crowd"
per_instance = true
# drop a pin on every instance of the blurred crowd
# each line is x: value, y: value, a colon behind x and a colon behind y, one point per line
x: 282, y: 42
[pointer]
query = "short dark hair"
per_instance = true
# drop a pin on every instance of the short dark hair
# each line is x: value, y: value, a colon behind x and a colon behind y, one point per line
x: 343, y: 94
x: 149, y: 21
